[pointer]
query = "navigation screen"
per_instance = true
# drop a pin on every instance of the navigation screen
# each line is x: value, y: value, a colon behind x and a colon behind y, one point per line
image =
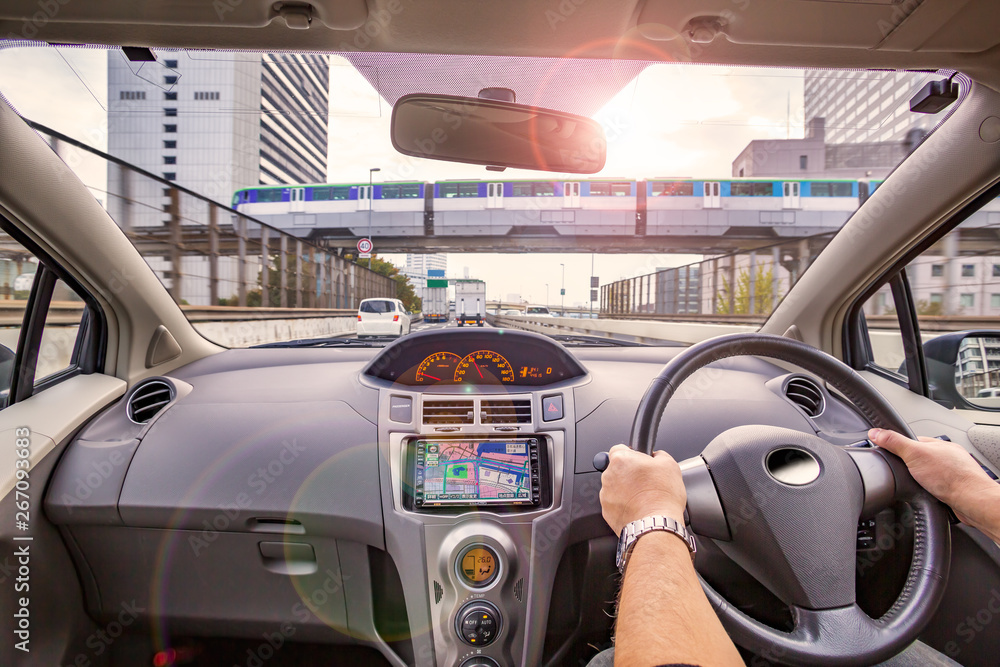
x: 480, y: 472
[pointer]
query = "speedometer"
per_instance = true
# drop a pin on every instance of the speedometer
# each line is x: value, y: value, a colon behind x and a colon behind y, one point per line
x: 484, y: 367
x: 438, y: 367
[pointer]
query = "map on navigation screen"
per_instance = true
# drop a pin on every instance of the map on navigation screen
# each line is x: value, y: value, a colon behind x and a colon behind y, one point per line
x: 471, y: 472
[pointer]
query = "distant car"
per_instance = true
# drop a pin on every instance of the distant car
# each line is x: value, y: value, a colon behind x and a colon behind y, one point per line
x: 382, y: 317
x: 538, y: 311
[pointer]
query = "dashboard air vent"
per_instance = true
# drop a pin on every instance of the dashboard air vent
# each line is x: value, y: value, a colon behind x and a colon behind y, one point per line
x: 507, y: 411
x: 806, y: 394
x: 148, y: 399
x: 448, y: 412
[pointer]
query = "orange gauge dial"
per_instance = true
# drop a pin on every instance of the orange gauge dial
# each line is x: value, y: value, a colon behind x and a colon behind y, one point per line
x: 438, y: 367
x: 484, y: 367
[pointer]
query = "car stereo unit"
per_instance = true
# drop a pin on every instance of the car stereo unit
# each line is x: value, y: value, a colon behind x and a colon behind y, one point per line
x: 502, y: 472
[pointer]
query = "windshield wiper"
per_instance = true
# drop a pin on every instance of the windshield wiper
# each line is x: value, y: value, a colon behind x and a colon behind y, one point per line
x: 596, y: 341
x: 375, y: 341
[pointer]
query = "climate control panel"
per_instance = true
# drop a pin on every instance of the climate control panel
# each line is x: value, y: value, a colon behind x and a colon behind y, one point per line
x: 478, y: 623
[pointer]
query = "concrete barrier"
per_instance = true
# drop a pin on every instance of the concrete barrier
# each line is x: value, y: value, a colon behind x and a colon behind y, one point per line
x: 233, y: 333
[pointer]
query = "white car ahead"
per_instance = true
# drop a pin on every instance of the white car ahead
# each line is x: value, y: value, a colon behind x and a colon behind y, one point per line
x: 382, y: 317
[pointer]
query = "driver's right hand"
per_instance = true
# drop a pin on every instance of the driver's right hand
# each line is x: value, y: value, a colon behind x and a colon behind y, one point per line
x: 949, y: 473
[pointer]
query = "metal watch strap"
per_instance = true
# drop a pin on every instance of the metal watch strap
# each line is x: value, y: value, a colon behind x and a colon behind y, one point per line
x: 636, y: 529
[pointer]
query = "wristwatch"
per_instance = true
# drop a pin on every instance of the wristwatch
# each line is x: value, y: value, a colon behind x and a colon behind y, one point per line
x: 633, y: 531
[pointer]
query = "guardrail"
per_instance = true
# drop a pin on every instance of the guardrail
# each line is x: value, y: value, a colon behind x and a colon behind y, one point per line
x: 689, y: 329
x: 640, y: 331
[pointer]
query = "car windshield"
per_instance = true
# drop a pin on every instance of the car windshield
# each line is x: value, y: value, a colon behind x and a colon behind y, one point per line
x: 265, y: 186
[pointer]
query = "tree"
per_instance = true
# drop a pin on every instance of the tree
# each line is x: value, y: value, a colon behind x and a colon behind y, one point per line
x: 762, y: 288
x: 274, y: 289
x: 924, y: 308
x: 404, y: 290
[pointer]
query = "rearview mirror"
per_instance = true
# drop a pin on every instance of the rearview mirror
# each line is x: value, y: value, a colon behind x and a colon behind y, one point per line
x: 496, y: 133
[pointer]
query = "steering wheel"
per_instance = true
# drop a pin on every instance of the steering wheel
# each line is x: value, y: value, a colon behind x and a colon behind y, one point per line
x: 785, y: 505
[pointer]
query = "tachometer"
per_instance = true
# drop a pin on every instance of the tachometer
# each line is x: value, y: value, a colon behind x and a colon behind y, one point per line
x: 438, y: 367
x: 484, y: 367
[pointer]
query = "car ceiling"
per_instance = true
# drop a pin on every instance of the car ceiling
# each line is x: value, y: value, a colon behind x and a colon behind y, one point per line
x: 910, y: 34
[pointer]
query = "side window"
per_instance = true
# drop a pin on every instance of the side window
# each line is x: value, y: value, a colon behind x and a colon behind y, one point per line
x: 18, y: 270
x: 44, y: 330
x: 954, y: 289
x: 63, y: 321
x: 884, y: 336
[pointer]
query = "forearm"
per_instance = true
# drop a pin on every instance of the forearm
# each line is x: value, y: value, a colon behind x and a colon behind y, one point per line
x: 663, y: 615
x: 981, y: 508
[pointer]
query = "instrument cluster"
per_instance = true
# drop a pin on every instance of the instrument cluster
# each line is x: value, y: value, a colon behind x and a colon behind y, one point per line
x: 491, y: 357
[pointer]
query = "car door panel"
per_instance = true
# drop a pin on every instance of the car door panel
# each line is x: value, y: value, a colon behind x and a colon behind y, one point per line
x: 51, y: 585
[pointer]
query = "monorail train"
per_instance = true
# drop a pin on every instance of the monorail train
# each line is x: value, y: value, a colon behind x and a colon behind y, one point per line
x: 605, y: 207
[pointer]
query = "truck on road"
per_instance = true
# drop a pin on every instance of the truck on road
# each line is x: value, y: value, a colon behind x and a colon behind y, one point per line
x: 435, y: 306
x: 470, y: 302
x: 435, y: 303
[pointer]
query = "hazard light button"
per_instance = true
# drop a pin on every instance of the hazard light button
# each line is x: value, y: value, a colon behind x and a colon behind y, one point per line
x: 552, y: 408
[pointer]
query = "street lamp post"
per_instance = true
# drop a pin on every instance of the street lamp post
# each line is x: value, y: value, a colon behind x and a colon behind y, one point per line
x: 546, y: 295
x: 371, y: 172
x: 562, y: 292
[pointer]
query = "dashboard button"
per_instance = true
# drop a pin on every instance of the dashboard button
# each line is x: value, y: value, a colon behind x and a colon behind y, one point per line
x: 552, y: 408
x: 401, y: 409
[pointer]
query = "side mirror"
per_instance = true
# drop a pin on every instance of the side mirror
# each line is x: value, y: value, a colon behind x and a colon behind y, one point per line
x: 964, y: 368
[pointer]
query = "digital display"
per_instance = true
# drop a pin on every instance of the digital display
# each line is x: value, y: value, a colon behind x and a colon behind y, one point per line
x: 476, y: 472
x: 535, y: 372
x: 478, y: 566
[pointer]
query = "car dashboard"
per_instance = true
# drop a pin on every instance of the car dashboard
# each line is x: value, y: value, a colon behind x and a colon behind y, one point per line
x: 424, y: 499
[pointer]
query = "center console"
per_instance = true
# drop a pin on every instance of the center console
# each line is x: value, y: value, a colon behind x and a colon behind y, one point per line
x: 475, y: 488
x: 478, y: 517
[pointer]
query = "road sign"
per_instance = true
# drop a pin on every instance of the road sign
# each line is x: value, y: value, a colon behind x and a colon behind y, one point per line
x: 593, y: 295
x: 595, y: 282
x: 365, y: 247
x: 562, y: 292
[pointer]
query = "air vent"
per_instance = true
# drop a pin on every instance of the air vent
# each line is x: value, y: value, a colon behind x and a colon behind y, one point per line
x: 507, y: 411
x: 807, y: 395
x: 519, y: 589
x: 448, y: 412
x: 148, y: 399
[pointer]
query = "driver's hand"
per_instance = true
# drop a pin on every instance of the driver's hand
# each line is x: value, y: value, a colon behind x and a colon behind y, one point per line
x: 944, y: 468
x: 635, y: 486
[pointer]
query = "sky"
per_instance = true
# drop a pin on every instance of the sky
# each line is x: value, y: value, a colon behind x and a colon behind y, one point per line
x: 673, y: 120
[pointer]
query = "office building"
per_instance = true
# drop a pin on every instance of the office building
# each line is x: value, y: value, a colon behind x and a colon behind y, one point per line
x: 858, y: 126
x: 419, y: 265
x: 214, y: 123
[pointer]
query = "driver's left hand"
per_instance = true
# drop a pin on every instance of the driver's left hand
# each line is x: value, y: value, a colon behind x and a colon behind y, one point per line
x: 635, y: 486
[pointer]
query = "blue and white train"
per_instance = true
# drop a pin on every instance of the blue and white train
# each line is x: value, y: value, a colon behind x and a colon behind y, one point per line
x: 595, y: 207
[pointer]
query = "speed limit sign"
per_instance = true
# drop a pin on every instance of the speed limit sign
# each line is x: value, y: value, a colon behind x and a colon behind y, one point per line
x: 365, y: 248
